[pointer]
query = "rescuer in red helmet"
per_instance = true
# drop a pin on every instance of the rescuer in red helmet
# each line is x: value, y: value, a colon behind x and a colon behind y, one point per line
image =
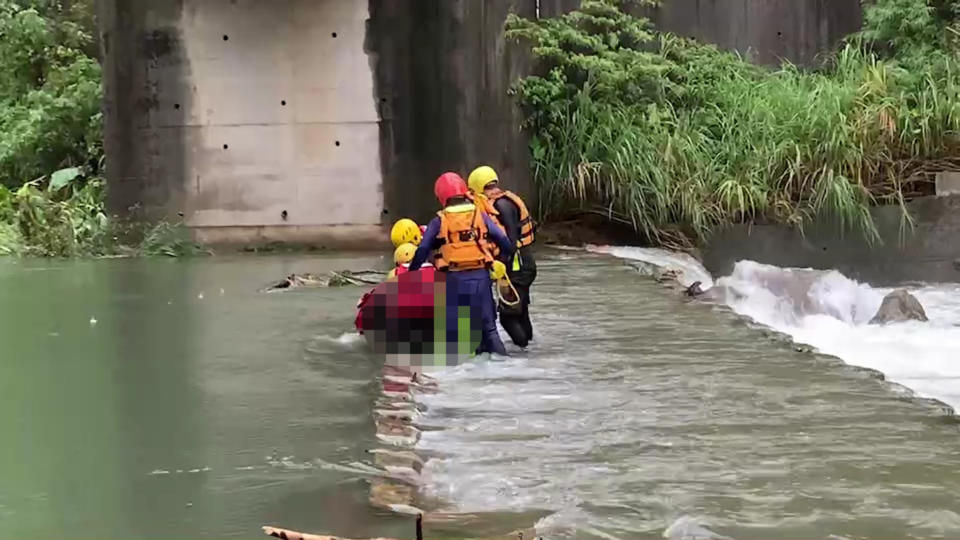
x: 461, y: 235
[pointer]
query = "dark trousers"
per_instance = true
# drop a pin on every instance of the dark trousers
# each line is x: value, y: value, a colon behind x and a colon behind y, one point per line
x: 516, y: 321
x: 474, y: 289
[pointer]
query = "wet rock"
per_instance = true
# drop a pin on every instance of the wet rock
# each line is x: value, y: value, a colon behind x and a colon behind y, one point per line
x: 899, y: 306
x: 694, y: 290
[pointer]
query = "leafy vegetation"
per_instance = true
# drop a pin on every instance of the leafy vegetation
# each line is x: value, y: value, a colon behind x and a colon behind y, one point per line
x: 57, y: 217
x: 50, y: 121
x: 51, y: 152
x: 50, y: 90
x: 168, y: 240
x: 678, y: 139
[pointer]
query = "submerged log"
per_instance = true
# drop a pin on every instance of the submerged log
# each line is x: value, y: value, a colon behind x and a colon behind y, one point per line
x: 287, y: 534
x: 340, y: 278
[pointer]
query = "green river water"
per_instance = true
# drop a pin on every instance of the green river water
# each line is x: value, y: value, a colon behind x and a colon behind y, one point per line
x: 151, y: 399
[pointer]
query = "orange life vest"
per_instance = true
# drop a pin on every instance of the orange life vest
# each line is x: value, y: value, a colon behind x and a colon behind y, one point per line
x: 463, y: 239
x: 486, y: 205
x: 527, y: 225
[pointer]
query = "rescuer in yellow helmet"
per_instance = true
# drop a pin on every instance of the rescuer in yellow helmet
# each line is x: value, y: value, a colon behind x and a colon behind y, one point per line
x: 460, y: 237
x: 401, y: 259
x: 405, y: 231
x: 511, y: 213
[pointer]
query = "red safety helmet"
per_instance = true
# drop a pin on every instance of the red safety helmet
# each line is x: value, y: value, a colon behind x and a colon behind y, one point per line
x: 449, y: 185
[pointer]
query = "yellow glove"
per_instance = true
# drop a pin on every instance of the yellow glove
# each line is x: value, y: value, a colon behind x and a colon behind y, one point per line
x: 499, y: 271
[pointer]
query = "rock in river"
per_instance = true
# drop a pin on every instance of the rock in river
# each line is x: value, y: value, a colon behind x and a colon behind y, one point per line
x: 899, y: 306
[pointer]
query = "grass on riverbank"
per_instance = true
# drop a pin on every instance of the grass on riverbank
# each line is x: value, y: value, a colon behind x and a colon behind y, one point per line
x: 679, y: 139
x: 64, y: 216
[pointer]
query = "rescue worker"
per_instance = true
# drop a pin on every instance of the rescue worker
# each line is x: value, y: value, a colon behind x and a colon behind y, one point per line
x: 401, y: 259
x: 513, y: 216
x: 460, y: 234
x: 405, y: 231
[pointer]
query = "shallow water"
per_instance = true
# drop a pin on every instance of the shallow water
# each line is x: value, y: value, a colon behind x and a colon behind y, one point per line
x: 640, y: 407
x: 187, y: 412
x: 184, y: 411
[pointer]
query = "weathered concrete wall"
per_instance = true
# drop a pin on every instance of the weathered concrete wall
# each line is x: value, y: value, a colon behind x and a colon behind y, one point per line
x: 305, y: 120
x: 764, y: 31
x: 443, y: 71
x: 928, y: 252
x: 256, y: 120
x: 320, y: 121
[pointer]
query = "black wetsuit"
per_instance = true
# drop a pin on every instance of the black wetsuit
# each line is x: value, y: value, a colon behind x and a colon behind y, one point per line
x: 517, y: 325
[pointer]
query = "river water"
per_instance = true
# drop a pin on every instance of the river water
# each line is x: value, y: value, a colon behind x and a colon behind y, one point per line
x: 169, y: 399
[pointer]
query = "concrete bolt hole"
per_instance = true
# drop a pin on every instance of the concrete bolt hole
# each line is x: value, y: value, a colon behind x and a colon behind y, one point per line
x: 176, y: 106
x: 284, y: 103
x: 226, y: 147
x: 337, y: 143
x: 334, y: 34
x: 226, y: 37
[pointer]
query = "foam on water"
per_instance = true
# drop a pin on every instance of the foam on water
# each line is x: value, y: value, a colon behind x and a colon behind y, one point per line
x: 831, y: 312
x: 689, y: 269
x: 615, y: 437
x: 347, y: 340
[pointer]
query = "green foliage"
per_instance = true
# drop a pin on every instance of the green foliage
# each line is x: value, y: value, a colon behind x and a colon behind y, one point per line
x: 50, y: 121
x: 168, y: 240
x: 39, y: 219
x: 10, y: 241
x: 663, y: 132
x: 64, y: 217
x: 50, y: 92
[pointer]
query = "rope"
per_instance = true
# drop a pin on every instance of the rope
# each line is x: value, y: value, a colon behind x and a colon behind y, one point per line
x: 505, y: 283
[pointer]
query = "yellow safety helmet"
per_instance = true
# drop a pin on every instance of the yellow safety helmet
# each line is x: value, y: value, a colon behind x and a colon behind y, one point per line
x: 480, y: 177
x: 404, y: 253
x: 405, y: 231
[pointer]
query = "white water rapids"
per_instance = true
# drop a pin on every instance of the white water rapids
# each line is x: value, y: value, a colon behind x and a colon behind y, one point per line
x: 830, y: 312
x: 642, y: 414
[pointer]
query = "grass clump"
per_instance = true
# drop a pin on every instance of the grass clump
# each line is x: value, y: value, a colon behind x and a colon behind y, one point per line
x: 168, y: 240
x: 63, y: 215
x: 679, y: 139
x: 60, y: 216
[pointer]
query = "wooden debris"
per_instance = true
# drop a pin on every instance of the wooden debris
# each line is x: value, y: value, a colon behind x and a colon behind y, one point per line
x: 287, y: 534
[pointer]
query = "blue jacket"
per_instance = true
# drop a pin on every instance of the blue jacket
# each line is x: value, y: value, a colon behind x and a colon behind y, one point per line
x: 430, y: 241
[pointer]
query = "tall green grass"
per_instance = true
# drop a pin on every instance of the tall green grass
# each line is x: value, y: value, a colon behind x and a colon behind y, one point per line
x: 679, y: 139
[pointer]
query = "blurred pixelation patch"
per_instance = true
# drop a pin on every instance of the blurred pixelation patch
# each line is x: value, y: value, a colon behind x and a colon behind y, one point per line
x: 407, y: 321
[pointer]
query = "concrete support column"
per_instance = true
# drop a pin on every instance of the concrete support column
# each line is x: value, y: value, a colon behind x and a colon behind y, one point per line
x: 443, y: 71
x: 255, y: 120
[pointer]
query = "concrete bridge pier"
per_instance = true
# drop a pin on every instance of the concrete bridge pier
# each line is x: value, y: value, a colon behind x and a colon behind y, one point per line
x: 306, y: 121
x: 321, y: 121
